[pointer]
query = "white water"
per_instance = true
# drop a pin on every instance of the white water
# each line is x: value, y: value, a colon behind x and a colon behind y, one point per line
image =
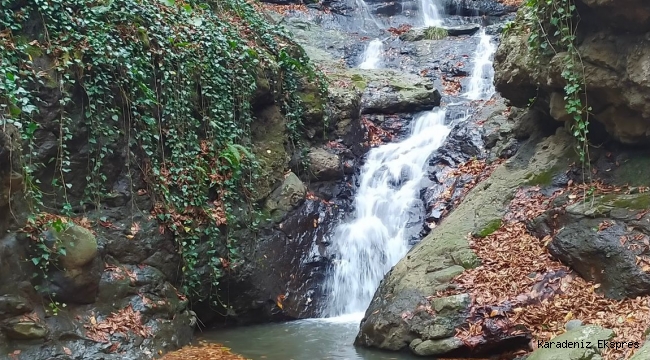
x: 374, y: 239
x: 481, y: 84
x: 366, y: 15
x: 430, y: 10
x: 373, y: 55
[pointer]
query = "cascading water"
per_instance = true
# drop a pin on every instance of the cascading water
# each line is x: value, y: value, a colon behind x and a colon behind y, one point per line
x: 373, y: 56
x: 374, y: 240
x: 366, y: 15
x: 430, y: 12
x: 481, y: 84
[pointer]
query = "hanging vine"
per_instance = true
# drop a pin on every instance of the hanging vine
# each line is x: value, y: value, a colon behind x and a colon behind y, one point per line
x: 171, y: 81
x: 552, y: 26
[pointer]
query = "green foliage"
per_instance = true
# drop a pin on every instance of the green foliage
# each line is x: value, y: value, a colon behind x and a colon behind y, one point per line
x: 435, y: 33
x: 171, y: 83
x: 552, y: 25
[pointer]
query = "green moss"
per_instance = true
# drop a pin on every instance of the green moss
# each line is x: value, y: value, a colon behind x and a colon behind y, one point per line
x: 545, y: 178
x: 638, y: 202
x: 314, y: 110
x: 359, y: 82
x: 435, y: 33
x: 490, y: 228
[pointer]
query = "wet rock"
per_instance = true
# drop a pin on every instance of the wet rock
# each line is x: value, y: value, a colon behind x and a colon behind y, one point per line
x: 12, y: 305
x: 19, y: 329
x: 286, y: 264
x: 290, y: 193
x: 465, y: 29
x: 588, y: 239
x: 476, y: 7
x: 324, y: 165
x: 590, y: 334
x: 390, y: 92
x: 464, y: 142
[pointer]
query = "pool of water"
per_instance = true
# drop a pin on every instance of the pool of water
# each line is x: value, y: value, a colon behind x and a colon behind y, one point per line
x: 313, y: 339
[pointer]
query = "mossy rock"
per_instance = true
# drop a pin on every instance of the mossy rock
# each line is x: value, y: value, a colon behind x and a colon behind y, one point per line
x: 269, y: 138
x: 80, y: 246
x: 314, y: 104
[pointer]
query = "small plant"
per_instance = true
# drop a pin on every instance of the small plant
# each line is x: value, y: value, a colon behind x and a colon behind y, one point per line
x: 435, y: 33
x: 54, y: 307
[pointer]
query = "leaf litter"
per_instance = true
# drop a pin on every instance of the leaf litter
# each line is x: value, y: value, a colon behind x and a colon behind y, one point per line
x: 203, y: 351
x: 124, y: 321
x: 542, y: 294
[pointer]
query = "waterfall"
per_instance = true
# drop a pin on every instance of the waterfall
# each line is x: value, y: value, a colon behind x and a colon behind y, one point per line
x: 366, y: 15
x: 373, y: 56
x: 374, y: 239
x: 430, y: 13
x: 481, y: 84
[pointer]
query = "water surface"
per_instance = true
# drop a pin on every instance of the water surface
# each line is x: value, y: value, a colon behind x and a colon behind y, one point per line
x: 312, y: 339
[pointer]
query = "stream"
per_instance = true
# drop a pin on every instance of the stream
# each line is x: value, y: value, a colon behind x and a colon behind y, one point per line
x: 375, y: 236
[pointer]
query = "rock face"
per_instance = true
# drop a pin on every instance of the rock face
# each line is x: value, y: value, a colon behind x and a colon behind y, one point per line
x: 614, y: 48
x: 588, y: 238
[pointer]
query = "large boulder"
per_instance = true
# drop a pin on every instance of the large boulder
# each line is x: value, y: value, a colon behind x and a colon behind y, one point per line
x: 390, y: 92
x: 324, y: 165
x: 76, y: 279
x: 287, y: 196
x: 616, y: 69
x: 603, y: 241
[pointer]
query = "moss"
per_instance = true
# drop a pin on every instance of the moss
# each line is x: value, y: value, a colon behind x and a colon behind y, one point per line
x: 313, y: 105
x: 545, y: 178
x: 359, y: 82
x: 603, y: 204
x: 490, y: 228
x: 638, y: 202
x: 435, y: 33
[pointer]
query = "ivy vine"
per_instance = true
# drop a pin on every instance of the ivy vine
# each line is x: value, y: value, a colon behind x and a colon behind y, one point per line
x: 172, y: 82
x: 552, y: 26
